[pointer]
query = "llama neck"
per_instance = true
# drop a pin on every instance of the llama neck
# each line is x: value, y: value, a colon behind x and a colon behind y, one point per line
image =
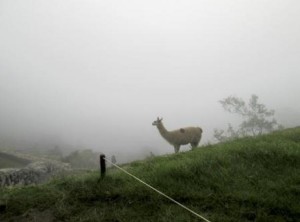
x: 163, y: 131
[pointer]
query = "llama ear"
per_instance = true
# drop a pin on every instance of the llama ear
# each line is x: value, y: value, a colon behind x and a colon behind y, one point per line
x: 161, y: 119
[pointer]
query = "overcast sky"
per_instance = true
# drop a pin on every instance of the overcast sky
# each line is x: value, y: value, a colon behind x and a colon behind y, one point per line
x: 97, y: 73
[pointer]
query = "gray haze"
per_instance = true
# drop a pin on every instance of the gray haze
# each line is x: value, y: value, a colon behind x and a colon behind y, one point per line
x: 95, y: 74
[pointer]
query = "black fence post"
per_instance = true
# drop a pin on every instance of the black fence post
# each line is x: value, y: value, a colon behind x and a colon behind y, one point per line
x: 102, y: 165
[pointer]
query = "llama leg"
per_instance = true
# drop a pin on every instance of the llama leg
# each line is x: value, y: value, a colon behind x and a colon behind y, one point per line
x: 176, y: 148
x: 194, y: 145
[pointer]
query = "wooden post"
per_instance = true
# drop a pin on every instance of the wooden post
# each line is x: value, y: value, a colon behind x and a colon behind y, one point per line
x: 102, y: 165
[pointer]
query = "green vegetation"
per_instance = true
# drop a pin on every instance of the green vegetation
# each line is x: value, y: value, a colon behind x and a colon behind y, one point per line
x: 257, y: 119
x: 11, y: 161
x: 249, y: 179
x: 82, y: 159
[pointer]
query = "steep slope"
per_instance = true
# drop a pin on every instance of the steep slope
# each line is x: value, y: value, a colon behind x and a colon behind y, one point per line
x: 250, y: 179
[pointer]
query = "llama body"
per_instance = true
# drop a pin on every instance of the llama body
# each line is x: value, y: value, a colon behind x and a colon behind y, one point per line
x: 182, y: 136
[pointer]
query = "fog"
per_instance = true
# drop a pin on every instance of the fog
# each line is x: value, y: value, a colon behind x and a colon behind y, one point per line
x: 95, y: 74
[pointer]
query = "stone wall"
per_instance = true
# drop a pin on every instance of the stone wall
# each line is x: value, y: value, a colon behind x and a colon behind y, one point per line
x: 34, y: 173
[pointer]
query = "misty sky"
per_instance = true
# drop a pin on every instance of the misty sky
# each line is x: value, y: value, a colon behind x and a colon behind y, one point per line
x: 97, y: 73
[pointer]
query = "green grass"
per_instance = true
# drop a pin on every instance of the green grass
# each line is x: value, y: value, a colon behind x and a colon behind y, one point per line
x: 10, y: 161
x: 250, y: 179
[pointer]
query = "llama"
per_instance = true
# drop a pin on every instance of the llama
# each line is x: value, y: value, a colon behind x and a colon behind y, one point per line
x: 180, y: 136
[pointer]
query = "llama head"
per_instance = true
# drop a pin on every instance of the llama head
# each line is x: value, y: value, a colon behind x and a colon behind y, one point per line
x: 157, y: 122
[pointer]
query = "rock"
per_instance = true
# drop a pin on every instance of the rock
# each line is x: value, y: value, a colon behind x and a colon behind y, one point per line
x: 36, y: 172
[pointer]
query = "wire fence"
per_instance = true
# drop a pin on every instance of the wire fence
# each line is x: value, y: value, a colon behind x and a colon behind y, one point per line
x: 159, y: 192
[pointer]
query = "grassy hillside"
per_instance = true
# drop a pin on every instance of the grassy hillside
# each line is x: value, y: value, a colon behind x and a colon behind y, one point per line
x: 251, y: 179
x: 11, y: 161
